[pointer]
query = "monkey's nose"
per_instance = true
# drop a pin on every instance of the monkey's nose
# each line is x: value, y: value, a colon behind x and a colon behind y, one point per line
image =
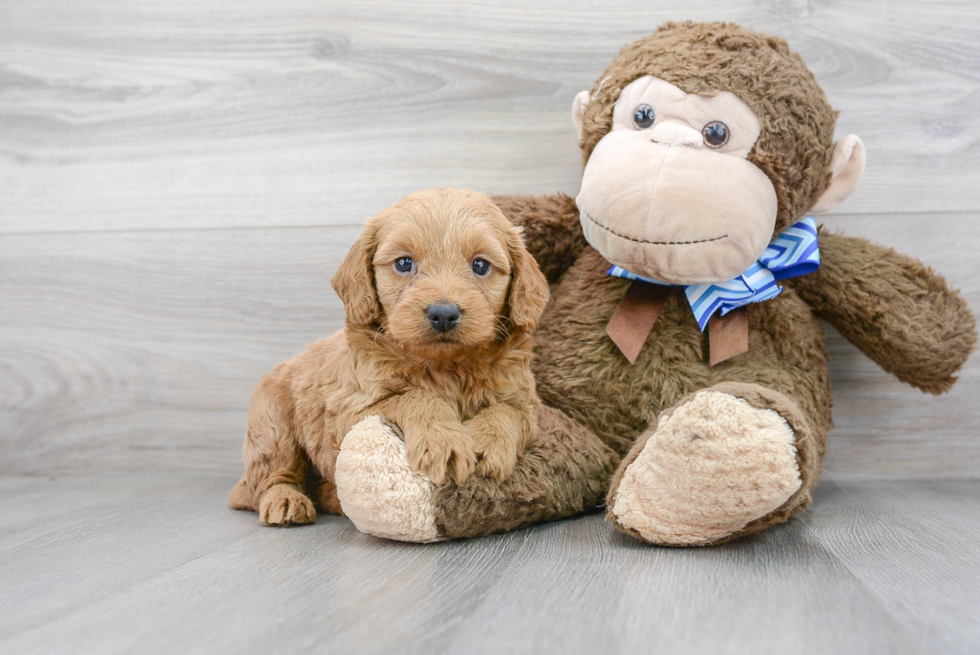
x: 443, y: 315
x: 673, y: 134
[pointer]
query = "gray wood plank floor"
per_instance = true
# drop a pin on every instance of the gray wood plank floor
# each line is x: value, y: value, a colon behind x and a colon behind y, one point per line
x: 160, y: 565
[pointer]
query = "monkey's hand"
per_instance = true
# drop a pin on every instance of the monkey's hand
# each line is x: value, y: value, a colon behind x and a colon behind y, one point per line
x: 896, y: 310
x: 552, y: 232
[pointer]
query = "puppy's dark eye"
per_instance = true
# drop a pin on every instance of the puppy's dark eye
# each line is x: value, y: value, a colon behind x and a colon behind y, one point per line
x: 715, y: 134
x: 481, y: 267
x: 404, y: 264
x: 643, y: 116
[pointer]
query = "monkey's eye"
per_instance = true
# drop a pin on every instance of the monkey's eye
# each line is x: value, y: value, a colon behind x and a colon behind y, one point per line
x: 715, y: 134
x: 404, y: 264
x: 481, y: 267
x: 643, y: 116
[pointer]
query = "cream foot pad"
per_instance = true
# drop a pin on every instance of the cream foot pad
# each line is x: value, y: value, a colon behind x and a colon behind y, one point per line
x: 713, y: 465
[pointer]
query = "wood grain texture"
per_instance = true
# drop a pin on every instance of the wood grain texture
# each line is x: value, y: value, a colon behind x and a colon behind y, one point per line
x: 178, y: 182
x: 920, y: 560
x: 248, y: 113
x: 125, y: 351
x: 138, y: 351
x: 159, y: 565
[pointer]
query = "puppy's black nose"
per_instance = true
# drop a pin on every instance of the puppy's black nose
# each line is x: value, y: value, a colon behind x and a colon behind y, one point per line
x: 443, y: 315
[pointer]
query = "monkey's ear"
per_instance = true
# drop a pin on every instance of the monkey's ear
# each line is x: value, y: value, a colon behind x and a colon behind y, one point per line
x: 846, y: 168
x: 354, y: 279
x: 578, y: 110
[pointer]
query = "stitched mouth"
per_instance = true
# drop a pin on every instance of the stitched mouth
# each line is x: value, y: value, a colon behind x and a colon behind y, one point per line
x: 654, y: 243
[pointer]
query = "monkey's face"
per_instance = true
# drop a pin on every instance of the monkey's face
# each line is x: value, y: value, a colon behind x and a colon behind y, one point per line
x: 668, y: 193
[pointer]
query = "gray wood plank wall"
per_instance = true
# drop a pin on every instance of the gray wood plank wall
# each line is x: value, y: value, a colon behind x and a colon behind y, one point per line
x: 178, y: 182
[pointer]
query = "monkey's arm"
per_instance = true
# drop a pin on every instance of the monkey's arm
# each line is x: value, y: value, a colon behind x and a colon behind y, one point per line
x: 552, y: 231
x: 895, y: 309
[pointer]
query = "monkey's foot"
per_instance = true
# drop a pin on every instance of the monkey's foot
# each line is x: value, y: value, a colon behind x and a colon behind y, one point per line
x: 377, y: 488
x: 713, y: 465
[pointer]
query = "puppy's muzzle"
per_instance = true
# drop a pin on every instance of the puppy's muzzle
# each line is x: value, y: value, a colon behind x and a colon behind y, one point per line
x: 444, y: 316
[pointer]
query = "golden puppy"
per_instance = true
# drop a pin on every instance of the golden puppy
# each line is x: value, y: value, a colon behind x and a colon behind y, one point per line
x: 441, y: 298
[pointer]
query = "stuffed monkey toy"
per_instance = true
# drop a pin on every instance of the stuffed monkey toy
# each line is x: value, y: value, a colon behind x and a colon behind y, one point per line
x: 681, y: 360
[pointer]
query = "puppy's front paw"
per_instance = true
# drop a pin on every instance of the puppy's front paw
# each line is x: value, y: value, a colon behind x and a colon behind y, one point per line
x: 441, y: 449
x: 284, y: 504
x: 497, y: 458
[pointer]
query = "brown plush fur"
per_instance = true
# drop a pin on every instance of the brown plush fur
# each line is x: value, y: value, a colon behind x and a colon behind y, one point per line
x: 564, y: 471
x: 463, y: 399
x: 580, y: 372
x: 899, y: 312
x: 552, y: 224
x: 903, y: 315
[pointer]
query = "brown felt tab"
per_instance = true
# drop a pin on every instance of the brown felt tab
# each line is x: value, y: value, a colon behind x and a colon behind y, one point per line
x: 635, y: 316
x: 728, y: 335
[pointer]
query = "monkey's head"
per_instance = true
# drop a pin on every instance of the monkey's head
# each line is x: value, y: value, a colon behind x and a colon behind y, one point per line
x: 701, y: 143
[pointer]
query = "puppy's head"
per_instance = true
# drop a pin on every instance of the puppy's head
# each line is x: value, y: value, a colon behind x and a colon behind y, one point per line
x: 441, y: 272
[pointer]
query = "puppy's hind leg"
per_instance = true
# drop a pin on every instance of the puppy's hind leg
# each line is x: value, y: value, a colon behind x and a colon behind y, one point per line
x: 275, y: 468
x: 241, y: 497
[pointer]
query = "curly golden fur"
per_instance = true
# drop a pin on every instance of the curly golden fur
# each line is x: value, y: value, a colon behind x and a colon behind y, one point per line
x: 463, y: 399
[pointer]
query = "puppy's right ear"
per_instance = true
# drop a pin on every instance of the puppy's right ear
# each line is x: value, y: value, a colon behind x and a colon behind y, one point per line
x: 354, y: 279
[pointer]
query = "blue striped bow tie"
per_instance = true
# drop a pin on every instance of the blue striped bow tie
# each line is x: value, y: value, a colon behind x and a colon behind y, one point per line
x: 794, y: 252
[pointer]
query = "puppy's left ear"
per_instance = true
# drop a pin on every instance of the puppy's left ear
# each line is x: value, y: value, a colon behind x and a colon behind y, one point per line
x: 354, y: 279
x: 528, y: 287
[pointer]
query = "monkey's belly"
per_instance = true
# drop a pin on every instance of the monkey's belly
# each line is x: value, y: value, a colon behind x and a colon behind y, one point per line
x: 580, y: 371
